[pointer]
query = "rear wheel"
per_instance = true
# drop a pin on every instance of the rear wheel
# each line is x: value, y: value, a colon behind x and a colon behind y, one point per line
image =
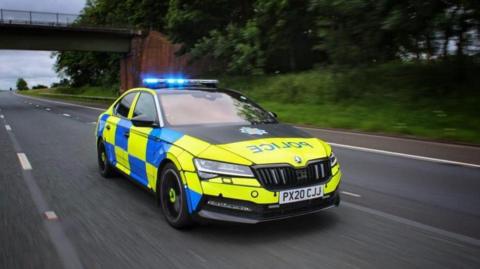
x: 173, y: 198
x: 106, y: 169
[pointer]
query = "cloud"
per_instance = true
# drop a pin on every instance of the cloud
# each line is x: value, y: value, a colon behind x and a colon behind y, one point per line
x: 36, y: 67
x: 61, y: 6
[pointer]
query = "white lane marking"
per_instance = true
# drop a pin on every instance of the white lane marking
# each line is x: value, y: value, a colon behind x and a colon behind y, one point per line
x: 37, y: 105
x: 1, y: 116
x: 8, y: 127
x: 397, y: 154
x: 351, y: 194
x: 93, y: 122
x: 24, y: 161
x: 66, y: 115
x: 62, y: 103
x: 50, y: 215
x: 416, y: 224
x: 47, y: 109
x: 197, y: 255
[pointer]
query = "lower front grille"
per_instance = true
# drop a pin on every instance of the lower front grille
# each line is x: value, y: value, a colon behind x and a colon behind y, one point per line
x: 285, y: 176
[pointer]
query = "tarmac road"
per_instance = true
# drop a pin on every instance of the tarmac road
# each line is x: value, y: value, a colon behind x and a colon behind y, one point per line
x: 396, y: 212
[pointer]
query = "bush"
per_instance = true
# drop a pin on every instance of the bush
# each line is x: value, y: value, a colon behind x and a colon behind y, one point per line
x: 39, y: 86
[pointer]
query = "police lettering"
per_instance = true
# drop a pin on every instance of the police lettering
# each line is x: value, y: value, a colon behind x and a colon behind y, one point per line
x: 274, y: 146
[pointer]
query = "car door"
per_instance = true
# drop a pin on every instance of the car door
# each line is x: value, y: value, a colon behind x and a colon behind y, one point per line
x: 140, y: 140
x: 118, y: 127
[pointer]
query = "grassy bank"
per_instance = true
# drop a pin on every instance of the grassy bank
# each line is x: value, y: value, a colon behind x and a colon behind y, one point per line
x: 432, y: 101
x: 438, y: 101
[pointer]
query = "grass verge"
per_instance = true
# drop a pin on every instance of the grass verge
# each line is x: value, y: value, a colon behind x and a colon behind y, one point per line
x: 87, y: 95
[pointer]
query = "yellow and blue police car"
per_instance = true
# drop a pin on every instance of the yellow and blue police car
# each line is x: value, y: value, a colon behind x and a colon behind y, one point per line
x: 213, y: 153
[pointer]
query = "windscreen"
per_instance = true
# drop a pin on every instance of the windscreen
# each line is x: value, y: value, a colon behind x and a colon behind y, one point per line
x: 210, y: 107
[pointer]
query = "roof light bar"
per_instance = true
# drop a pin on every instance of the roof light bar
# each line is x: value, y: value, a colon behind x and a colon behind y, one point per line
x: 176, y: 82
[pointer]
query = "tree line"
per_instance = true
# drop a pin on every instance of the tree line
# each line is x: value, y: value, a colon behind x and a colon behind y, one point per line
x: 277, y: 36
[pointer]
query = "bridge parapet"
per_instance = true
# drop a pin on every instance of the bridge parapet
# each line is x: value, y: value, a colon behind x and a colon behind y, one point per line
x: 24, y: 17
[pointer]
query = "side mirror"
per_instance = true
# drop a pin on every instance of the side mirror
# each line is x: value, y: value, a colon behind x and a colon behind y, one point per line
x: 273, y: 114
x: 143, y: 120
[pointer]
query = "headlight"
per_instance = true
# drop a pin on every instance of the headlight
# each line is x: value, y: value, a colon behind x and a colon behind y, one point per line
x: 210, y: 169
x: 333, y: 160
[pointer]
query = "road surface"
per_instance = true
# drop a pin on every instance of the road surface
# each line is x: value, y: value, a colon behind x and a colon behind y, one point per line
x: 396, y: 212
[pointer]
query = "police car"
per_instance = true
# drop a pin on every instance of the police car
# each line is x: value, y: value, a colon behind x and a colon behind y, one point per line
x: 212, y: 153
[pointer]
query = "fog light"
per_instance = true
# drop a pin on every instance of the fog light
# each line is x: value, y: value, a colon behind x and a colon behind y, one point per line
x: 229, y: 206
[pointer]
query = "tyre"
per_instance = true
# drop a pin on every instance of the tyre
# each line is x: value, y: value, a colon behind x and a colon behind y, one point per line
x: 106, y: 169
x: 173, y: 198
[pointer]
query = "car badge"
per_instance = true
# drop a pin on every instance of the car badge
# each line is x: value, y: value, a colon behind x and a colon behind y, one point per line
x: 298, y: 159
x: 253, y: 131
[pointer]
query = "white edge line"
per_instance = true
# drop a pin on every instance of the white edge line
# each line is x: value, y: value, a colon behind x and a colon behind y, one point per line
x: 351, y: 194
x: 24, y: 161
x: 66, y: 115
x: 416, y: 157
x: 8, y: 127
x: 58, y: 102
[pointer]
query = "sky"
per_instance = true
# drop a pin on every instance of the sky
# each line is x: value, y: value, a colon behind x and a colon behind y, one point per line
x: 36, y: 67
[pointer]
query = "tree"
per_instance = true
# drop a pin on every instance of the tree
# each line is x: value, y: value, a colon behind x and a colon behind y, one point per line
x: 102, y: 68
x: 287, y: 34
x: 365, y: 32
x: 22, y: 84
x: 245, y: 37
x: 189, y: 21
x: 266, y: 36
x: 62, y: 83
x: 39, y: 86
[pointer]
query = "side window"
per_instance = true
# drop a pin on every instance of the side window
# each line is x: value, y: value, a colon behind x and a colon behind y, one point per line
x: 124, y: 105
x: 146, y: 106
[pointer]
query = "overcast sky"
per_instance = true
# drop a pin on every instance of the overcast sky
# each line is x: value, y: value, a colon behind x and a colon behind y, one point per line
x: 36, y: 67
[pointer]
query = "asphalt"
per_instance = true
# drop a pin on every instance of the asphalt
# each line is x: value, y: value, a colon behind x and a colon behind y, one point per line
x: 396, y: 212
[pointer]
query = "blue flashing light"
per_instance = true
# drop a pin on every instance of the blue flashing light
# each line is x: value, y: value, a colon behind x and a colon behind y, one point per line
x: 151, y: 80
x: 173, y: 82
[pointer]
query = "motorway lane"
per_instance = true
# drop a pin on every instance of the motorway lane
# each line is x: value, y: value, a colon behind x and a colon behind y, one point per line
x: 115, y: 224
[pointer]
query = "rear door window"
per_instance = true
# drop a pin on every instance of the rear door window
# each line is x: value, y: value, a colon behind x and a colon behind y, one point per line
x: 123, y: 106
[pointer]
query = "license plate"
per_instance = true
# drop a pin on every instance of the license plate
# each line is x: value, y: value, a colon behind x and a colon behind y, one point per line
x: 301, y: 194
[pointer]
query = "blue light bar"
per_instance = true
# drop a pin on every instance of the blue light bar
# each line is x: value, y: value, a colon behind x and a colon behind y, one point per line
x: 177, y: 82
x: 151, y: 81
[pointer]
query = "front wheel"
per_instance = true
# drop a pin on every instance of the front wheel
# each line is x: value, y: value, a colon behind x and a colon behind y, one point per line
x: 173, y: 198
x: 106, y: 169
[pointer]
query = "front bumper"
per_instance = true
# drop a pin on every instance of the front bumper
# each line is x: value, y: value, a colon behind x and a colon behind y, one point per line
x: 232, y: 210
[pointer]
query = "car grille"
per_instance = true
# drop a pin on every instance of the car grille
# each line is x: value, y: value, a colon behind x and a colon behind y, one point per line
x: 285, y: 176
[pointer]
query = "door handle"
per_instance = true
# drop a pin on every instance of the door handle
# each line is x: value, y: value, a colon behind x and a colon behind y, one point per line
x: 126, y: 134
x: 108, y: 127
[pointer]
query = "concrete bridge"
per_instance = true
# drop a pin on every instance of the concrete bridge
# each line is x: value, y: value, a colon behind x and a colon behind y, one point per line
x: 144, y: 52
